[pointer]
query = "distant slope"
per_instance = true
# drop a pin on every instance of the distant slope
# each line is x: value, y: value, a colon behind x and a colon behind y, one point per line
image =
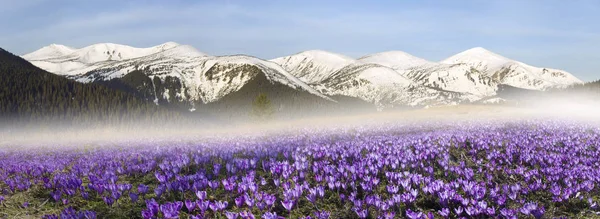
x: 379, y: 78
x: 290, y: 102
x: 28, y: 93
x: 287, y: 102
x: 313, y: 66
x: 396, y: 60
x: 506, y: 71
x: 447, y: 77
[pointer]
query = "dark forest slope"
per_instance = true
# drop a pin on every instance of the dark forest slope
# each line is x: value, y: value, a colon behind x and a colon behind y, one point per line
x: 29, y: 94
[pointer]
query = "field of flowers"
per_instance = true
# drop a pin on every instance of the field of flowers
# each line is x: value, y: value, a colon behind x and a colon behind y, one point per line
x: 483, y: 170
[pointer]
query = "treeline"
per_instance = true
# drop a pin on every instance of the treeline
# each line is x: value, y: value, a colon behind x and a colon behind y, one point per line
x: 29, y: 94
x: 590, y: 87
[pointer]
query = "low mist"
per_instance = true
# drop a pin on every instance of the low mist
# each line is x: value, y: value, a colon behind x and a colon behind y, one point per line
x: 575, y: 108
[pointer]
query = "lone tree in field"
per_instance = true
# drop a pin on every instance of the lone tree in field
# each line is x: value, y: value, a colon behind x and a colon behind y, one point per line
x: 262, y: 108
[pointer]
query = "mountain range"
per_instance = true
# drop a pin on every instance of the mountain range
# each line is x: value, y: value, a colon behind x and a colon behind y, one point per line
x: 175, y: 74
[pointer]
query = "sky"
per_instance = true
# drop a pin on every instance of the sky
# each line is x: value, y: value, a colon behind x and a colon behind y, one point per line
x: 545, y: 33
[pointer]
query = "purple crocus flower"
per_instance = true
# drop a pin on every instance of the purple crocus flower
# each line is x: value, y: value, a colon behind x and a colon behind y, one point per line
x: 201, y: 195
x: 152, y: 206
x: 202, y: 205
x: 445, y: 212
x: 171, y: 210
x: 231, y: 215
x: 133, y: 197
x: 458, y: 210
x: 229, y: 186
x: 239, y: 201
x: 528, y: 208
x: 86, y: 215
x: 190, y: 205
x: 322, y: 214
x: 160, y: 177
x: 362, y: 213
x: 538, y: 213
x: 142, y: 189
x: 320, y: 191
x: 389, y: 215
x: 56, y: 195
x: 312, y: 197
x: 147, y: 214
x: 218, y: 205
x: 287, y: 204
x: 246, y: 215
x: 271, y: 215
x: 508, y: 213
x: 414, y: 215
x: 108, y: 200
x: 270, y: 200
x: 248, y: 200
x: 158, y: 191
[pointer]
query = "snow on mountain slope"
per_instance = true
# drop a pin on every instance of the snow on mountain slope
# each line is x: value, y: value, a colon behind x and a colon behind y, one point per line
x: 96, y: 56
x: 514, y: 73
x: 73, y: 61
x: 447, y: 77
x: 392, y: 77
x: 313, y: 66
x: 479, y: 58
x: 380, y: 85
x: 115, y: 52
x: 272, y: 71
x: 50, y: 51
x: 200, y: 77
x: 397, y: 60
x: 386, y: 79
x: 456, y: 78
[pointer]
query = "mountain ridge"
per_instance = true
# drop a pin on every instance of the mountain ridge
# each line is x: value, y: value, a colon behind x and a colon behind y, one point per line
x: 386, y: 78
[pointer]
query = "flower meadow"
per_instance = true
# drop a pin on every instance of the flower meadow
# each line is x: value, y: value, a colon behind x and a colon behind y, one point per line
x: 474, y: 170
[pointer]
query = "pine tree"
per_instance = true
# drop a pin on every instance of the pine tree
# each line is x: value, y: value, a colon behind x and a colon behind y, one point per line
x: 262, y: 108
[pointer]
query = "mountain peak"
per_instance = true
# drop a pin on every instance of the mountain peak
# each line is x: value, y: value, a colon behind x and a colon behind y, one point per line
x: 54, y: 45
x: 319, y: 57
x: 168, y: 45
x: 313, y: 66
x: 50, y: 51
x: 326, y: 55
x: 478, y: 55
x: 394, y: 59
x: 478, y: 50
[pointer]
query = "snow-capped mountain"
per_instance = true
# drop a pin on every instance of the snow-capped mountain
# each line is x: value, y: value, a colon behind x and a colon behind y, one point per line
x: 51, y: 51
x: 172, y: 72
x: 313, y: 66
x: 396, y: 60
x: 393, y: 77
x: 67, y: 61
x: 445, y: 77
x: 375, y: 78
x: 381, y: 85
x: 169, y: 72
x: 506, y: 71
x: 455, y: 78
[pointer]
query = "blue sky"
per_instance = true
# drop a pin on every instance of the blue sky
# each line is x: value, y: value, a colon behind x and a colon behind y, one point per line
x: 549, y: 33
